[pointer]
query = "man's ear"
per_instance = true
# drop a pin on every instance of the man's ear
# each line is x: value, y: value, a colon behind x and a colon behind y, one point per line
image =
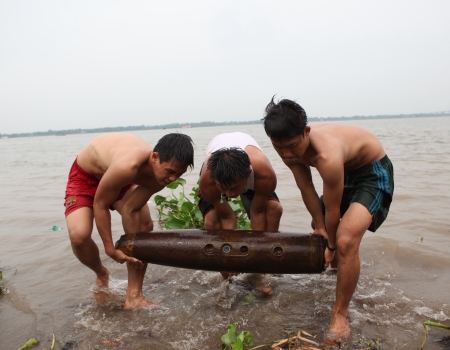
x: 154, y: 157
x: 307, y: 130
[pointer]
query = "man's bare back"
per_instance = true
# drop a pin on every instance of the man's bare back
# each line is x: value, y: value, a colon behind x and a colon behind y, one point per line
x: 349, y: 145
x: 114, y: 148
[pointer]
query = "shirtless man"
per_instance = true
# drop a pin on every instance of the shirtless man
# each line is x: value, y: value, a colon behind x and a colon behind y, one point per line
x: 358, y: 185
x: 120, y: 172
x: 235, y: 165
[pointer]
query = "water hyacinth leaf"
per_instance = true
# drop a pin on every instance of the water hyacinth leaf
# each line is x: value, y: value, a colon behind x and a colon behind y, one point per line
x: 231, y: 335
x: 238, y: 345
x: 29, y: 343
x: 174, y: 223
x: 198, y: 214
x: 246, y: 338
x: 248, y: 299
x: 234, y: 206
x: 181, y: 199
x: 178, y: 182
x: 173, y: 185
x: 187, y: 207
x: 172, y: 204
x: 159, y: 199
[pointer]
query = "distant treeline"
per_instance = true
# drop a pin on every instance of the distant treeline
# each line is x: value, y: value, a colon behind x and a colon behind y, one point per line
x: 204, y: 124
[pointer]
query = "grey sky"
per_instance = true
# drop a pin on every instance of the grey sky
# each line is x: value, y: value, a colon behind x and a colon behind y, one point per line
x: 88, y: 64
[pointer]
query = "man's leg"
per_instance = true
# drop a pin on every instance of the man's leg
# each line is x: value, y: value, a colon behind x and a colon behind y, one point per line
x: 134, y: 298
x: 80, y: 225
x: 351, y: 229
x: 273, y: 215
x: 211, y: 219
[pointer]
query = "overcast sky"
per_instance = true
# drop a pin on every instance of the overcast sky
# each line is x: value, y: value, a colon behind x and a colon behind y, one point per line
x: 89, y: 64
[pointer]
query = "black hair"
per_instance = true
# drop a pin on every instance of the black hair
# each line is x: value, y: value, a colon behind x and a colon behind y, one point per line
x: 228, y: 165
x: 176, y: 147
x: 284, y: 120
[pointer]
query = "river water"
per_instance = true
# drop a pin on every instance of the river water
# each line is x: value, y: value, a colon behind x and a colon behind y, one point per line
x: 404, y: 279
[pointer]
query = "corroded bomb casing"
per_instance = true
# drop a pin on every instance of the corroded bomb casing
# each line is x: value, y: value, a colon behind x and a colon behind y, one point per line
x: 228, y: 251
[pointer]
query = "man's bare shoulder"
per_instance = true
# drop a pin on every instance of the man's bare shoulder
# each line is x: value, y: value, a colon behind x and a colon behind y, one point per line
x: 108, y: 149
x: 339, y: 130
x: 118, y: 140
x: 258, y: 159
x: 349, y: 145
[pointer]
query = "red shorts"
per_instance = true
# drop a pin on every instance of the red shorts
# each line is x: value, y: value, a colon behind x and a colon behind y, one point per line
x: 81, y: 189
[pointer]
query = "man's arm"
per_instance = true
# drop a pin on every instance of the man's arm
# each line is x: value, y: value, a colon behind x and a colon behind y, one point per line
x: 333, y: 186
x: 131, y: 210
x: 303, y: 178
x: 114, y: 179
x: 211, y: 193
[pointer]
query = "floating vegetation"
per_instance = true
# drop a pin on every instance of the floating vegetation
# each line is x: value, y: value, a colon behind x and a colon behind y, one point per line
x: 29, y: 343
x: 248, y: 299
x: 232, y: 341
x: 434, y: 324
x: 295, y: 341
x: 302, y: 341
x: 182, y: 212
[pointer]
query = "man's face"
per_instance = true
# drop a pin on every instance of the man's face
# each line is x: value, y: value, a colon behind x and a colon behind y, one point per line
x: 290, y: 150
x: 167, y: 172
x: 235, y: 190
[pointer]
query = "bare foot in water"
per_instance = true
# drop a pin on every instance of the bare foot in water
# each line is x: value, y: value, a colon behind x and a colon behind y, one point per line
x: 229, y: 275
x: 339, y: 329
x: 265, y: 289
x: 101, y: 295
x: 255, y: 281
x: 137, y: 303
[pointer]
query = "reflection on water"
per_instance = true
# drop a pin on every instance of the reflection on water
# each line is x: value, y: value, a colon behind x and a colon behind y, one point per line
x: 404, y: 275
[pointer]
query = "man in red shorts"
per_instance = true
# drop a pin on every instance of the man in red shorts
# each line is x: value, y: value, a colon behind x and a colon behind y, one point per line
x: 120, y: 172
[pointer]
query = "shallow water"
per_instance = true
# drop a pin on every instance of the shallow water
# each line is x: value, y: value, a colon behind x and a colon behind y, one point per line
x: 404, y: 275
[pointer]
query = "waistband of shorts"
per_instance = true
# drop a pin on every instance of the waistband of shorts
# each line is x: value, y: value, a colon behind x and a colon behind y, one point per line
x: 79, y: 169
x: 369, y: 167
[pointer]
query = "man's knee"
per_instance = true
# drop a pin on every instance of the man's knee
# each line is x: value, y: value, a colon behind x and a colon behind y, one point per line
x: 147, y: 226
x: 211, y: 221
x: 79, y: 238
x: 347, y: 244
x: 274, y: 209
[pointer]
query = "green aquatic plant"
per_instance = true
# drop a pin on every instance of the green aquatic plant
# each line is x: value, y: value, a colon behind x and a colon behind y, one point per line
x: 233, y: 341
x: 372, y: 343
x: 178, y: 211
x: 29, y: 343
x: 248, y: 299
x: 431, y: 324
